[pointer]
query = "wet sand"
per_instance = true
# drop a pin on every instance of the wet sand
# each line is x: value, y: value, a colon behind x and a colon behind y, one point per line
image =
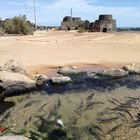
x: 51, y: 71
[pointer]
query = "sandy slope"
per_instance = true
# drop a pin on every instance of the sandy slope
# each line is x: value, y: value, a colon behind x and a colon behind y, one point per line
x: 58, y: 48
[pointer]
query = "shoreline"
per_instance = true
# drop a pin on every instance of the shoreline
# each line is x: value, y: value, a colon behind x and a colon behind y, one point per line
x: 51, y: 70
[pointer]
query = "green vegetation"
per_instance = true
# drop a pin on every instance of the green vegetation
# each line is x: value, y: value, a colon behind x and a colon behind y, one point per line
x: 84, y: 26
x: 17, y: 25
x: 86, y: 22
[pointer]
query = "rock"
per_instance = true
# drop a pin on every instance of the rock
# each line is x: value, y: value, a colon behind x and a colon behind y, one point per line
x: 73, y: 73
x: 68, y: 70
x: 93, y: 75
x: 12, y: 66
x: 40, y: 79
x: 15, y: 83
x: 116, y: 72
x: 132, y: 68
x: 12, y: 137
x: 61, y: 80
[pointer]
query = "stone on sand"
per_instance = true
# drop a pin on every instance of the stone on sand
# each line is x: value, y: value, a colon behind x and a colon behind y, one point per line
x: 68, y: 70
x: 61, y: 80
x: 133, y: 68
x: 14, y: 83
x: 40, y: 79
x: 115, y: 72
x: 13, y: 66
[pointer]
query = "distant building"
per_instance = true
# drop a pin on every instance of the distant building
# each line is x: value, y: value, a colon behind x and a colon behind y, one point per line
x: 105, y: 23
x: 70, y: 23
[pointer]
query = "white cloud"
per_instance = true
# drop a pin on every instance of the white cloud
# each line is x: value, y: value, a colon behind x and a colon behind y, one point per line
x: 51, y: 13
x: 54, y: 12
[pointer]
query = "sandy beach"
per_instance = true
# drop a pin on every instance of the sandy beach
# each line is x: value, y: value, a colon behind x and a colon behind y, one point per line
x: 60, y: 48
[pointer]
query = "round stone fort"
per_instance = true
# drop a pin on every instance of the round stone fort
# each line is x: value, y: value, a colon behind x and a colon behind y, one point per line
x: 105, y: 17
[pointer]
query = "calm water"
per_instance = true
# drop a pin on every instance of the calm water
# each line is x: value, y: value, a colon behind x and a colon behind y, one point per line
x: 82, y: 82
x: 96, y: 108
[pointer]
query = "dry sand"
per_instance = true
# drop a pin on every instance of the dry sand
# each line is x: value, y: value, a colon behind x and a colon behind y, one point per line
x: 60, y: 48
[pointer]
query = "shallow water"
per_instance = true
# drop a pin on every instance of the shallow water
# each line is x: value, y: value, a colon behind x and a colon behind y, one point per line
x: 82, y: 82
x: 109, y: 106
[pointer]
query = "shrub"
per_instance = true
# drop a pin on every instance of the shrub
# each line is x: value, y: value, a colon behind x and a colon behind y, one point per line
x: 18, y: 25
x: 84, y: 26
x: 81, y: 28
x: 87, y: 23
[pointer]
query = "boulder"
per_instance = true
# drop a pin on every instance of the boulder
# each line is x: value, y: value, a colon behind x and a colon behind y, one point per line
x: 61, y: 80
x: 68, y: 70
x: 73, y: 73
x: 12, y: 66
x: 15, y: 83
x: 40, y: 79
x: 132, y: 68
x: 116, y: 72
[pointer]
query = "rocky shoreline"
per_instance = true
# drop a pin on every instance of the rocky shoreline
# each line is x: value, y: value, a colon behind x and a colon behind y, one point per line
x: 22, y: 112
x: 14, y: 80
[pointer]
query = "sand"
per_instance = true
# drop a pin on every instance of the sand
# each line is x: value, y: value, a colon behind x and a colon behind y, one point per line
x: 45, y: 50
x: 61, y: 48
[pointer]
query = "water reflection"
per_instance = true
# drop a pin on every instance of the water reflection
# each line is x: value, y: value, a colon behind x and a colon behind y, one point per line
x: 102, y: 84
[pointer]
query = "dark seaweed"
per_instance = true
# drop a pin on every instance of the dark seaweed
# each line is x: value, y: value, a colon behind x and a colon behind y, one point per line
x: 123, y: 110
x: 107, y: 120
x: 30, y: 103
x: 115, y: 128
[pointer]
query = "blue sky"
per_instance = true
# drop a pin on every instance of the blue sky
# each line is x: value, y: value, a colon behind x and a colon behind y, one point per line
x: 51, y: 12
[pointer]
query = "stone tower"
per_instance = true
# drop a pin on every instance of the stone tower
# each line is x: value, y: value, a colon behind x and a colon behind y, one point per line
x: 105, y: 23
x: 70, y: 23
